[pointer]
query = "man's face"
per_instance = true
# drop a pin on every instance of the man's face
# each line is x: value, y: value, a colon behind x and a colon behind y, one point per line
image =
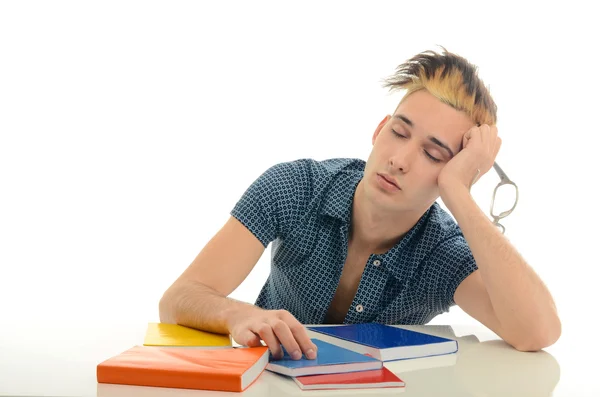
x: 411, y: 148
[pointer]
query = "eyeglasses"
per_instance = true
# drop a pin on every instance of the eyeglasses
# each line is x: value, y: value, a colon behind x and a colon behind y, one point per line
x: 494, y: 212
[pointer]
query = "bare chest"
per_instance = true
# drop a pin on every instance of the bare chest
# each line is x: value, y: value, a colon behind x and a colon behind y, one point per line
x: 348, y: 285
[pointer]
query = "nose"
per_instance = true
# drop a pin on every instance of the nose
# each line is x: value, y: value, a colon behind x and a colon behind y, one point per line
x: 402, y: 159
x: 398, y: 165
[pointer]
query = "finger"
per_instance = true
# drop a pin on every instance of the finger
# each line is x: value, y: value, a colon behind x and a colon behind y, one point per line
x: 301, y: 336
x: 467, y: 136
x: 488, y: 138
x: 495, y: 140
x: 284, y: 334
x: 248, y: 338
x: 492, y: 136
x: 484, y: 133
x: 265, y: 332
x: 498, y: 146
x: 494, y: 131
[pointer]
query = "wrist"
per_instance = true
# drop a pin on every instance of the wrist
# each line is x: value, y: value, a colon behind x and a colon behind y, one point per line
x: 448, y: 187
x: 456, y: 197
x: 237, y: 310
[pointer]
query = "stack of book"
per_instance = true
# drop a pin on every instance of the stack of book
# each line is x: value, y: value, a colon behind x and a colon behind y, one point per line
x: 335, y: 368
x: 175, y: 356
x: 349, y: 356
x: 352, y: 356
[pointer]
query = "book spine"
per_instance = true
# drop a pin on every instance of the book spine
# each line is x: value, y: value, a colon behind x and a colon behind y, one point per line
x: 163, y: 378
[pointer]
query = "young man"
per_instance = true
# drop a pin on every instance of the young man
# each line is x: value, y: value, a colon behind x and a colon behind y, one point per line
x: 366, y: 242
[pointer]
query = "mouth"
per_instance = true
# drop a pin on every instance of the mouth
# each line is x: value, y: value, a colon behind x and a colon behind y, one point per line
x: 386, y: 180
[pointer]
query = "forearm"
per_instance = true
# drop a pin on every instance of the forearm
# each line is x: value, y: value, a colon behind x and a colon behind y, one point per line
x: 198, y: 306
x: 522, y: 304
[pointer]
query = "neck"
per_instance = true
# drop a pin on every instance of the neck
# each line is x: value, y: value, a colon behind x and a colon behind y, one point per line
x: 376, y: 229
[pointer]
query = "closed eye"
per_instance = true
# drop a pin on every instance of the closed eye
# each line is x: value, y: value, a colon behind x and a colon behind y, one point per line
x: 429, y: 156
x: 397, y: 134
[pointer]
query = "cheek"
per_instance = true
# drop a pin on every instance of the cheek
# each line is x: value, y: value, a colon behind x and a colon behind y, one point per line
x: 381, y: 152
x: 427, y: 179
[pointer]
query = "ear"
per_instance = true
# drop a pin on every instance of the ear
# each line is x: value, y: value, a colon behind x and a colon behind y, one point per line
x: 380, y: 127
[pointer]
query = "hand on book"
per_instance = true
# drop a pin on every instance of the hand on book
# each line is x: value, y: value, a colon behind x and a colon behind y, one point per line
x: 275, y: 328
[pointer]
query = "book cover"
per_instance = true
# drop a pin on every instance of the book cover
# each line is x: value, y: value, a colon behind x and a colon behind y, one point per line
x: 385, y: 342
x: 174, y: 335
x: 232, y: 369
x: 378, y: 378
x: 330, y: 359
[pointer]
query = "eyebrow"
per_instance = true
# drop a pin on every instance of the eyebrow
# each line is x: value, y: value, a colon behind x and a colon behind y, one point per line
x: 431, y: 138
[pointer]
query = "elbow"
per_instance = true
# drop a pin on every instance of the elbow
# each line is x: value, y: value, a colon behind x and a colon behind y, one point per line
x: 544, y: 336
x: 166, y: 308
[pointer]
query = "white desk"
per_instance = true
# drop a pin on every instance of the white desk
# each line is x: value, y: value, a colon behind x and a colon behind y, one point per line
x: 484, y: 366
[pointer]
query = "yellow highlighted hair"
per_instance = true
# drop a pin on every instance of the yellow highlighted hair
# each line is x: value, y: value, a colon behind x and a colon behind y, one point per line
x: 451, y: 79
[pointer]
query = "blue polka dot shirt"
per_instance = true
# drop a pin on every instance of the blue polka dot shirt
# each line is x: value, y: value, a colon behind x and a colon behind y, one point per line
x: 303, y: 208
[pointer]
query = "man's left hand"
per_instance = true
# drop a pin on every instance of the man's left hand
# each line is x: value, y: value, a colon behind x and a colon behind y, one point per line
x: 480, y: 148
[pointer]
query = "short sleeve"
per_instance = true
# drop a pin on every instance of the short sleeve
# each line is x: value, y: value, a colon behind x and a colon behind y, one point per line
x: 449, y: 264
x: 268, y: 205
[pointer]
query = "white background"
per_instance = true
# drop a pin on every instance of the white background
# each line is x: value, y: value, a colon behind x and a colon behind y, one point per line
x: 130, y: 129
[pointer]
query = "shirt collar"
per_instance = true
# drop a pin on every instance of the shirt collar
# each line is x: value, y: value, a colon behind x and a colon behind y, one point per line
x: 402, y: 260
x: 340, y: 195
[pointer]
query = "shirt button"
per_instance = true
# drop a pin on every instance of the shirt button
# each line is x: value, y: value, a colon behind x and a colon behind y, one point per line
x: 359, y: 308
x: 376, y: 262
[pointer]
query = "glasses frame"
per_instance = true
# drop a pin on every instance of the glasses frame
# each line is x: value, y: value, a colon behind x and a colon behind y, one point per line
x: 504, y: 180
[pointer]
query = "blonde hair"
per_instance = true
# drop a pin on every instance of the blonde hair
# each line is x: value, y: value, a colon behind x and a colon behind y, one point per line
x: 451, y: 79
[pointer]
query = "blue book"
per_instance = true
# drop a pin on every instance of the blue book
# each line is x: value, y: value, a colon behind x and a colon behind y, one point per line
x: 331, y: 359
x: 385, y: 342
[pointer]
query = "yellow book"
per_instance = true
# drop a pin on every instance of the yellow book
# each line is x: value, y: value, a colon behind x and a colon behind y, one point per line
x: 174, y: 335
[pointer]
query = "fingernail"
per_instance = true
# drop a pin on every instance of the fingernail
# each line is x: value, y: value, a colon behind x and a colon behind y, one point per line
x: 296, y: 355
x: 310, y: 354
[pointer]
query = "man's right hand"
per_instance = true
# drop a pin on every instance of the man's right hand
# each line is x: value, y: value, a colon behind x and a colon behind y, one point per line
x: 275, y: 327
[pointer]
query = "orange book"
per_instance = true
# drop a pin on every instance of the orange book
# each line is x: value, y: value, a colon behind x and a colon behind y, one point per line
x: 232, y: 369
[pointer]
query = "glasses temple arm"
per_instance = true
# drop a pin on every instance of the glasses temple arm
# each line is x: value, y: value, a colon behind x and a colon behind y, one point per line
x: 500, y: 172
